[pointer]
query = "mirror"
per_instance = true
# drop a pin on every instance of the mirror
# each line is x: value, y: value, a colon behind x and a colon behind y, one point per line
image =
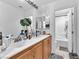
x: 42, y: 23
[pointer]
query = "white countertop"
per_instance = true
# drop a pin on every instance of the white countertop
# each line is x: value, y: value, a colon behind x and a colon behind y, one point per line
x: 20, y: 46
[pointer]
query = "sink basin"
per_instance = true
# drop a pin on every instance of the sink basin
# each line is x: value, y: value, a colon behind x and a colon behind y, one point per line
x: 20, y: 44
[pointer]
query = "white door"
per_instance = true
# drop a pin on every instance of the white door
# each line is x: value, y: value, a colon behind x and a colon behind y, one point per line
x: 70, y: 30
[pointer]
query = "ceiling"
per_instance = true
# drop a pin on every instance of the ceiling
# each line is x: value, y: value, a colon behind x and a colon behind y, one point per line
x: 24, y: 5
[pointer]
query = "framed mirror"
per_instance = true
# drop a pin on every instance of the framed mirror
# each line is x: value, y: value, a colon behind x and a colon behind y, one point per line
x: 42, y: 23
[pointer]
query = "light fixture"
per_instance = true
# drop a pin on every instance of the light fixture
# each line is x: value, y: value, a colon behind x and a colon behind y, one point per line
x: 32, y: 3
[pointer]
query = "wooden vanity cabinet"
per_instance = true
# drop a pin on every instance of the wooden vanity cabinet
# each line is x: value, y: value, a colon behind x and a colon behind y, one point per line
x: 37, y: 51
x: 47, y: 48
x: 26, y: 55
x: 49, y: 45
x: 41, y: 50
x: 34, y: 52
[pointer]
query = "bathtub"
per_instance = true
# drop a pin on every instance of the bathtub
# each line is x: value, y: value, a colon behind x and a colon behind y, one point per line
x: 61, y: 41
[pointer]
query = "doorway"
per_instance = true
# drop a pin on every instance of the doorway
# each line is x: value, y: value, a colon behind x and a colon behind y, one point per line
x: 64, y: 29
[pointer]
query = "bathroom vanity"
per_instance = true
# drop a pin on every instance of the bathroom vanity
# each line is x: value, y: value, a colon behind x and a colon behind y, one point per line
x: 35, y: 48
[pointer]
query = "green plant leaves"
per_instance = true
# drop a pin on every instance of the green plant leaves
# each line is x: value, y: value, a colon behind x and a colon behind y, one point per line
x: 28, y: 20
x: 22, y: 22
x: 25, y: 22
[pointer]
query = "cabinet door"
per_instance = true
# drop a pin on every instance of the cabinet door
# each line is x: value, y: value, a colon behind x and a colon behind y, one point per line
x: 26, y: 55
x: 31, y: 56
x: 45, y: 49
x: 49, y: 45
x: 37, y: 50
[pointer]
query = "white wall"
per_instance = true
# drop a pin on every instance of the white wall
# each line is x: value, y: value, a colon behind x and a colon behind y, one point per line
x: 50, y: 10
x: 9, y: 18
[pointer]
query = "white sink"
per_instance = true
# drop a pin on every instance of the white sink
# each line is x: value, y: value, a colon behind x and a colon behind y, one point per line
x: 21, y: 43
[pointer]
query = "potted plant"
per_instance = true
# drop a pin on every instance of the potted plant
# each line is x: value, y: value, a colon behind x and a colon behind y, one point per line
x: 25, y: 23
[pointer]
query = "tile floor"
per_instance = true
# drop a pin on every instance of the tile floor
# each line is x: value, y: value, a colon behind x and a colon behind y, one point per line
x: 56, y: 57
x: 60, y: 54
x: 65, y: 54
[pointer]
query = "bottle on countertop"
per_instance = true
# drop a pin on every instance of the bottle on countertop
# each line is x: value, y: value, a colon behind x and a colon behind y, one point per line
x: 0, y: 38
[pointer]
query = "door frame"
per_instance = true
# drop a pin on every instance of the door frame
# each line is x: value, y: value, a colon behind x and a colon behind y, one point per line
x: 71, y: 10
